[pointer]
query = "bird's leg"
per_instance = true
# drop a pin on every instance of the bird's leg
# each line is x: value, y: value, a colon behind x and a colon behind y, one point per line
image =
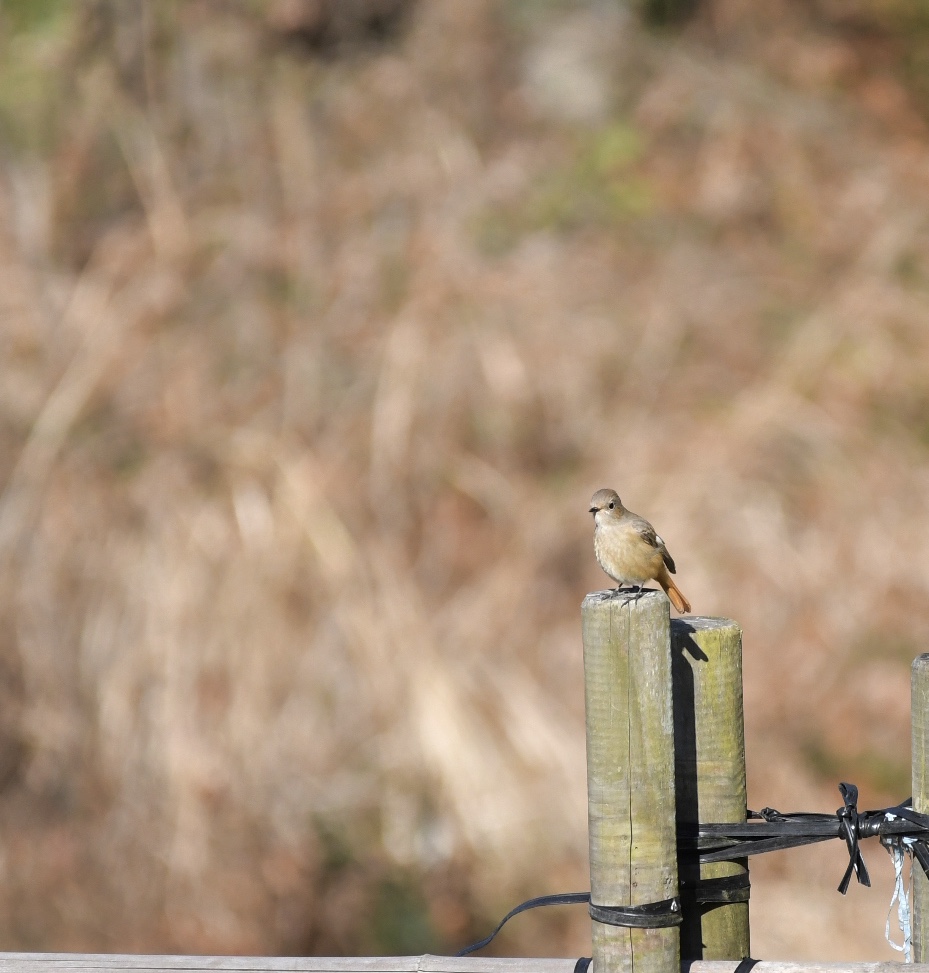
x: 634, y: 589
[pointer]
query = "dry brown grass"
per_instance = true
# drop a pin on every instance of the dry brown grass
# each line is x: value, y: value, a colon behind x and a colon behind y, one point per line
x: 309, y: 367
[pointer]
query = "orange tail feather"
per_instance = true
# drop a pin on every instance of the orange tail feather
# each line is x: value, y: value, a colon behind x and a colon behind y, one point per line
x: 675, y: 594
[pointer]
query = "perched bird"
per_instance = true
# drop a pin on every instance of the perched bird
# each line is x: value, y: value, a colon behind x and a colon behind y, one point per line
x: 629, y: 550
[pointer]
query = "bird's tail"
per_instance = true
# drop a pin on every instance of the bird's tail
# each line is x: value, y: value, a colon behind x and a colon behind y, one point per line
x: 674, y: 593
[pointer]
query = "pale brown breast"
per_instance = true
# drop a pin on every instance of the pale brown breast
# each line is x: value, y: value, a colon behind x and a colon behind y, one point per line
x: 625, y: 556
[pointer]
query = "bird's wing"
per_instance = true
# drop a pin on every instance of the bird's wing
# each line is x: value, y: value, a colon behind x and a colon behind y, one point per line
x: 645, y: 530
x: 668, y: 560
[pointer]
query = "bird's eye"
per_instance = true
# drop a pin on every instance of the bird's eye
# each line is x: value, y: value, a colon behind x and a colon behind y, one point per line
x: 612, y: 505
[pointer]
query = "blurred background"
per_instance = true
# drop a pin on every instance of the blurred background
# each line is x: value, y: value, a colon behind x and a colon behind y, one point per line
x: 320, y: 322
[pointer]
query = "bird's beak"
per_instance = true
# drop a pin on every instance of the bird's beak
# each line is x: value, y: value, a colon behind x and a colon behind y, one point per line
x: 592, y: 510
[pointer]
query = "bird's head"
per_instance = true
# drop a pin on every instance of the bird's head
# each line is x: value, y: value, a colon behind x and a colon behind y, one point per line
x: 605, y: 505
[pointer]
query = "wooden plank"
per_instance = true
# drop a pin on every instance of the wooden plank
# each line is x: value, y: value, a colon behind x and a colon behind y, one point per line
x: 630, y: 774
x: 112, y: 963
x: 919, y: 716
x: 709, y: 767
x: 83, y: 963
x: 285, y: 964
x: 812, y: 966
x: 494, y: 964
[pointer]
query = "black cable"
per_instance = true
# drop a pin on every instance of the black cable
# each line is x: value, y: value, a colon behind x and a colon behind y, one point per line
x: 770, y: 830
x: 559, y: 898
x: 652, y: 915
x: 766, y: 830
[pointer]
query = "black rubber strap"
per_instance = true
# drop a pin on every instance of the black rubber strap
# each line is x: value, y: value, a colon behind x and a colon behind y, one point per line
x: 727, y: 842
x: 852, y: 826
x: 653, y: 915
x: 717, y: 891
x: 559, y: 898
x: 705, y: 843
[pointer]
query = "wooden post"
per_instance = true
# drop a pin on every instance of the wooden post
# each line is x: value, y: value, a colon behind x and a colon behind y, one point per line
x: 919, y: 715
x: 630, y: 774
x: 709, y: 743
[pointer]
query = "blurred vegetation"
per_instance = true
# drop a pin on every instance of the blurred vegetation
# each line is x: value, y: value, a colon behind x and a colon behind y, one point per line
x: 321, y: 322
x: 662, y: 13
x: 882, y: 772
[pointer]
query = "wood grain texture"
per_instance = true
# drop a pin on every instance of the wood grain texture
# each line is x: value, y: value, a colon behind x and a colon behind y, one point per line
x: 630, y: 774
x: 56, y: 962
x: 113, y: 963
x: 919, y: 716
x: 810, y: 966
x: 709, y: 744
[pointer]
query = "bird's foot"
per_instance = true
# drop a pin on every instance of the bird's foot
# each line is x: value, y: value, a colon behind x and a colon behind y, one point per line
x: 633, y: 589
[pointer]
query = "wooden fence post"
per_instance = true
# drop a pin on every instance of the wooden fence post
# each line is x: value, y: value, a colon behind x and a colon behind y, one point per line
x: 630, y: 775
x: 709, y: 743
x: 919, y: 715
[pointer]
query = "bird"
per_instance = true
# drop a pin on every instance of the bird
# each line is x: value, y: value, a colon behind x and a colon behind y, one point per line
x: 629, y: 549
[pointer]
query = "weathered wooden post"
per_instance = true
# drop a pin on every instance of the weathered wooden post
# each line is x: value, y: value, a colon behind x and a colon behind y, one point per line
x: 630, y: 781
x: 919, y: 715
x: 709, y: 744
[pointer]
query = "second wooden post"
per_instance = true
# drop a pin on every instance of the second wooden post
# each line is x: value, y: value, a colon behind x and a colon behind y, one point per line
x: 630, y: 781
x: 920, y: 717
x: 709, y: 744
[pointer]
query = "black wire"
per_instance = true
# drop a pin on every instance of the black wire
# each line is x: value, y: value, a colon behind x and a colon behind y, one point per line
x: 768, y: 830
x: 559, y: 898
